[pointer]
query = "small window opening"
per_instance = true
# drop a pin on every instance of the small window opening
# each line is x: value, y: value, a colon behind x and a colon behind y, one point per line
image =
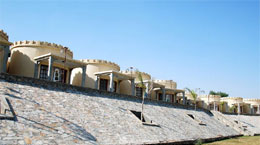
x: 196, y: 119
x: 138, y: 115
x: 191, y: 116
x: 145, y: 120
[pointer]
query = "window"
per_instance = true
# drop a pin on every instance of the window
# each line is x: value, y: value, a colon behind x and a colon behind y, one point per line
x: 59, y: 75
x: 56, y: 75
x: 139, y: 92
x: 115, y: 86
x: 103, y: 84
x: 160, y: 97
x: 44, y: 72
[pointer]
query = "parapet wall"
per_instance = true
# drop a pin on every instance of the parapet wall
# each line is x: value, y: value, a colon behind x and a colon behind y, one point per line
x: 167, y: 83
x: 4, y: 38
x: 145, y: 76
x: 99, y: 61
x: 252, y: 101
x: 4, y: 35
x: 232, y: 99
x: 31, y: 43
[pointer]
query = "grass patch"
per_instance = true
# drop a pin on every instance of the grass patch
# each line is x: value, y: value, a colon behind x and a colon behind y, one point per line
x: 244, y: 140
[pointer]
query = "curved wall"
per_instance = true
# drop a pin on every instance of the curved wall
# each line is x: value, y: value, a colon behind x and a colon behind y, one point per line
x: 93, y: 66
x: 24, y: 52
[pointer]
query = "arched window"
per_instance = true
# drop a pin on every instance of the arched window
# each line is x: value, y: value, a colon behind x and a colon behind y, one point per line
x: 56, y: 76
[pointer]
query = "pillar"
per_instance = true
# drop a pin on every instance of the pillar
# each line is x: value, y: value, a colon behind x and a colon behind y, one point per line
x: 36, y: 68
x: 226, y: 107
x: 238, y: 108
x: 69, y: 73
x: 111, y: 86
x: 258, y: 109
x: 6, y: 52
x: 214, y: 105
x: 133, y: 87
x: 163, y: 94
x: 83, y: 76
x: 50, y: 68
x: 183, y: 98
x: 97, y: 83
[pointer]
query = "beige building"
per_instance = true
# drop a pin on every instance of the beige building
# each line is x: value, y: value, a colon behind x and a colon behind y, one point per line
x: 235, y: 104
x: 211, y: 102
x: 103, y: 75
x: 43, y: 60
x: 4, y: 51
x: 172, y: 94
x: 254, y: 105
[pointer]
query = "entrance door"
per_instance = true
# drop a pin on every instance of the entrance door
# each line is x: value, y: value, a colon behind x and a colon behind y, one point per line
x: 160, y: 97
x: 103, y: 84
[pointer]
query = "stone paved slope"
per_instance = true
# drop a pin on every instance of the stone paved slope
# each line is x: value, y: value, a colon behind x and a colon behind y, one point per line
x: 52, y: 116
x: 250, y: 123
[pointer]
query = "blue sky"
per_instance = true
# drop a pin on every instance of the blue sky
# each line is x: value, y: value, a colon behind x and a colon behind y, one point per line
x: 212, y: 45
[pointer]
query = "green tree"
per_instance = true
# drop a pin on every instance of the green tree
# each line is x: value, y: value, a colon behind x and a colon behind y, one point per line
x: 221, y: 94
x: 194, y: 96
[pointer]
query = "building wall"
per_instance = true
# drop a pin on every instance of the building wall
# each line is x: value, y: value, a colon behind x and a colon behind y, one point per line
x: 93, y: 66
x: 24, y: 52
x: 232, y: 102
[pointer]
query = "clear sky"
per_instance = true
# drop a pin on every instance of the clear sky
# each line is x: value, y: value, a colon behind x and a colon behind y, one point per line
x: 207, y: 44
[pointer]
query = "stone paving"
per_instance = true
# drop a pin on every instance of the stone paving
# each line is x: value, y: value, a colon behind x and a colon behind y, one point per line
x: 251, y: 123
x: 52, y: 116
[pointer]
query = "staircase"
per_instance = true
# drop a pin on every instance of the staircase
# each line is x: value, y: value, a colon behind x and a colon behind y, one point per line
x: 235, y: 124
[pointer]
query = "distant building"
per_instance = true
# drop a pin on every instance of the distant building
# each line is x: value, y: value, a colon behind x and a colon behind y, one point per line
x: 4, y: 51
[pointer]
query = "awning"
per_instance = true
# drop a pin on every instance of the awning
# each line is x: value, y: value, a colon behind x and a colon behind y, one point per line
x: 117, y: 74
x: 70, y: 63
x: 174, y: 91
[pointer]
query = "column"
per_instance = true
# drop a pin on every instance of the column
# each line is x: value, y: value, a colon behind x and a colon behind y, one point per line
x: 36, y: 68
x: 226, y: 107
x: 97, y: 82
x: 70, y: 70
x: 251, y: 109
x: 50, y: 68
x: 183, y: 98
x: 83, y: 76
x: 214, y: 106
x: 238, y: 108
x: 163, y: 94
x: 133, y: 87
x: 111, y: 86
x: 258, y: 109
x: 6, y: 52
